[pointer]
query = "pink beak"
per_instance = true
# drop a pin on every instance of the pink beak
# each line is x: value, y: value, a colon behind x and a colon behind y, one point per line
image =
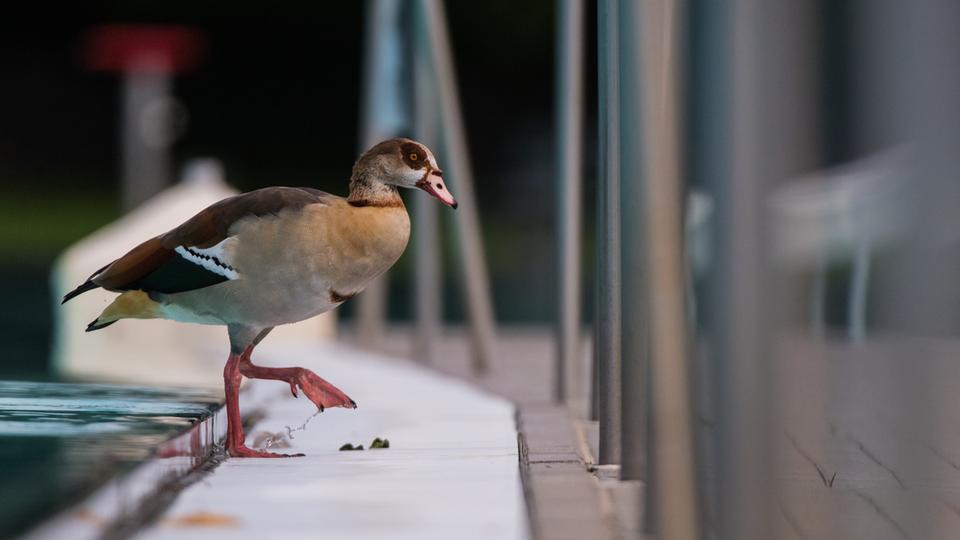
x: 432, y: 183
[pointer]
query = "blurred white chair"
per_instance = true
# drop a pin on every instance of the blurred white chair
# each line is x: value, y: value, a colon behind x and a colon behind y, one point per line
x: 840, y: 213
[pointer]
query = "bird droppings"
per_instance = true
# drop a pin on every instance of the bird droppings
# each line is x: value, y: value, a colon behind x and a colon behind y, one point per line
x: 377, y: 443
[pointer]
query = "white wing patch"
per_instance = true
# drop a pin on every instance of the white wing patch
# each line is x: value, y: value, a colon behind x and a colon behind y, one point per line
x: 214, y: 258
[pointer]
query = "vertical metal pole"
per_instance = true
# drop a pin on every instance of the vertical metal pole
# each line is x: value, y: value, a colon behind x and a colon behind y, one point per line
x: 371, y: 312
x: 909, y: 60
x: 658, y: 59
x: 593, y: 412
x: 428, y: 277
x: 709, y: 162
x: 607, y: 339
x: 635, y: 423
x: 460, y: 174
x: 743, y: 448
x: 145, y: 159
x: 773, y: 103
x: 569, y: 148
x: 384, y: 116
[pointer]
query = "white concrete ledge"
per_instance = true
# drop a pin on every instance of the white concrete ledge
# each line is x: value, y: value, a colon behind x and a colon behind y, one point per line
x: 452, y: 469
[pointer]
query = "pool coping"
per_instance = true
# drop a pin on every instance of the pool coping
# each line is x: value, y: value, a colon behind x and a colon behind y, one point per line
x: 131, y: 498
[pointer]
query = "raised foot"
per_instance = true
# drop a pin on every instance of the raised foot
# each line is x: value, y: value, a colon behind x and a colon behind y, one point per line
x: 244, y: 452
x: 319, y: 391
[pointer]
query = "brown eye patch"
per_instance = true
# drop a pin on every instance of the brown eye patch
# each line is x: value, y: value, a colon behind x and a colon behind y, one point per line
x: 413, y: 155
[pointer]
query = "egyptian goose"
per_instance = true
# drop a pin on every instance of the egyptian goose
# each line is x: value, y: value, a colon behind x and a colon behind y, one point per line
x: 273, y: 256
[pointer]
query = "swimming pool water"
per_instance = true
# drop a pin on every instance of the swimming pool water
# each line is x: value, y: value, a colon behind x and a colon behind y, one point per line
x: 60, y: 441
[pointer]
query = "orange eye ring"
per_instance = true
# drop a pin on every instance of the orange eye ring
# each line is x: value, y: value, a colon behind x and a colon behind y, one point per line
x: 414, y: 157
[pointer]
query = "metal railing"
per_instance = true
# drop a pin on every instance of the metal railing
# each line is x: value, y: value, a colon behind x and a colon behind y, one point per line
x: 727, y: 98
x: 747, y: 128
x: 569, y: 164
x: 414, y: 71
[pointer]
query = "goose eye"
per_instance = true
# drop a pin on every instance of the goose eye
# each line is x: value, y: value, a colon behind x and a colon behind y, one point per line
x: 414, y: 157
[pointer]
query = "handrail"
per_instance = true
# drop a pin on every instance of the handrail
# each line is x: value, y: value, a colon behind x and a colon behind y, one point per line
x: 437, y: 76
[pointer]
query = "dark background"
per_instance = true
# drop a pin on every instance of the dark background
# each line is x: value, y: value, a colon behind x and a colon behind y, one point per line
x: 276, y: 99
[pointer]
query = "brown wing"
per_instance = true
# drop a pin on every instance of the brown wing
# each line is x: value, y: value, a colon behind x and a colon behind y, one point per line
x: 212, y: 226
x: 155, y: 266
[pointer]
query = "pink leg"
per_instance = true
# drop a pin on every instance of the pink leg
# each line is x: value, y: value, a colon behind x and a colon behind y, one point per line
x: 319, y: 391
x: 235, y: 437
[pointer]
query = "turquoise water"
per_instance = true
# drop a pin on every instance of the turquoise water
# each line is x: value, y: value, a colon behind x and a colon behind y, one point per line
x: 60, y: 441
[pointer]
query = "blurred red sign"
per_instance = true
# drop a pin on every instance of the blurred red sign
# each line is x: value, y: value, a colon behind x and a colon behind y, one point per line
x: 144, y: 48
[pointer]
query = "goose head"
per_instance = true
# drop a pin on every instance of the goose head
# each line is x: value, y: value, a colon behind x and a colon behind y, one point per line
x: 405, y: 163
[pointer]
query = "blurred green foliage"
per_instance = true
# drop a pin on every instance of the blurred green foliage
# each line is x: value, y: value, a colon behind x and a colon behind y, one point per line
x: 36, y: 225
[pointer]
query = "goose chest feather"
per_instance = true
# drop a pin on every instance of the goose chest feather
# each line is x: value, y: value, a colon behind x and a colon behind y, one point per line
x: 320, y: 255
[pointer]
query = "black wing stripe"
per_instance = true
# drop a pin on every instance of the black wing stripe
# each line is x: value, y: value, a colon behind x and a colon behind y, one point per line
x: 178, y: 275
